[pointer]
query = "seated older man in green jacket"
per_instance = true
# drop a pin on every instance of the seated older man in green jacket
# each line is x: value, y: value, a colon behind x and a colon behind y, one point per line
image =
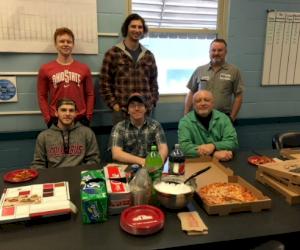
x: 206, y: 131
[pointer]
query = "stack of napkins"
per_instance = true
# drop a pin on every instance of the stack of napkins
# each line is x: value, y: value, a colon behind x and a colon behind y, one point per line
x: 192, y: 223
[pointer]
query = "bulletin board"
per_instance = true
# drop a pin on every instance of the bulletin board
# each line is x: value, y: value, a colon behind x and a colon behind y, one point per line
x: 282, y: 49
x: 28, y: 26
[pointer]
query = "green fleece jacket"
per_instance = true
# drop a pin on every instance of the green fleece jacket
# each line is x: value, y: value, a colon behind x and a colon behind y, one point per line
x: 54, y: 149
x: 191, y: 133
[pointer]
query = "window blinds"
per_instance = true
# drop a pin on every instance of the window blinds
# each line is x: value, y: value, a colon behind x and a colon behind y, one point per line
x: 178, y: 14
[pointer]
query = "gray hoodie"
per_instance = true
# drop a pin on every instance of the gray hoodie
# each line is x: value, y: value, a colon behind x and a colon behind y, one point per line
x: 57, y: 148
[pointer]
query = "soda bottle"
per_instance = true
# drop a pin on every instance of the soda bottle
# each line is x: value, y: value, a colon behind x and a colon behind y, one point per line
x: 154, y: 163
x: 176, y: 161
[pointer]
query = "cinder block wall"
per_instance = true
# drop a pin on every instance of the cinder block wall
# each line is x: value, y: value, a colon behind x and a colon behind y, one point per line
x: 246, y: 36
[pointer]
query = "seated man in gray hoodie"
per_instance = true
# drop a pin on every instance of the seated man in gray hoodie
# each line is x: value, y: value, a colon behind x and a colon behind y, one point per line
x: 67, y: 144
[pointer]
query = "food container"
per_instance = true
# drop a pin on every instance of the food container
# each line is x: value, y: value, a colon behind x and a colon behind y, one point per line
x: 172, y: 192
x: 93, y: 196
x: 119, y: 196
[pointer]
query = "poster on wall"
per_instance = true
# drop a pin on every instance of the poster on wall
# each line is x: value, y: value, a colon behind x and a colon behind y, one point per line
x: 8, y: 89
x: 28, y: 26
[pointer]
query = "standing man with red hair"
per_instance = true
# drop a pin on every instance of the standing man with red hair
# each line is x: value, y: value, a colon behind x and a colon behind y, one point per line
x: 65, y: 78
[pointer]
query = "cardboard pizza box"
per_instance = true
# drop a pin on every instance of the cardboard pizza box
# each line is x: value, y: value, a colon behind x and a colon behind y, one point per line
x: 289, y: 169
x: 286, y: 182
x: 290, y: 153
x: 292, y: 196
x: 220, y: 173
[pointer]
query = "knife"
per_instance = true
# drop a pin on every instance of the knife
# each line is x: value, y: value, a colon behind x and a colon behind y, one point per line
x: 197, y: 173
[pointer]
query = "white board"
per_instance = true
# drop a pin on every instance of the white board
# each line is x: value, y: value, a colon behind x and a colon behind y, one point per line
x: 282, y: 49
x: 28, y: 26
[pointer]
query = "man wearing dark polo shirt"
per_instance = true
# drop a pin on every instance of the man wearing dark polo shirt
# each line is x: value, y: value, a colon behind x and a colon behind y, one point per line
x: 221, y: 78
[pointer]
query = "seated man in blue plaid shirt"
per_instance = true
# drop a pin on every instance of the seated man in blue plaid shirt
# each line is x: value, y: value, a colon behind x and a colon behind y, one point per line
x: 132, y: 138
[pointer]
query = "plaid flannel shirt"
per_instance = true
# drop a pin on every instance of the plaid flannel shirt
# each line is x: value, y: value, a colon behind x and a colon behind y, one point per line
x: 120, y: 76
x: 137, y: 141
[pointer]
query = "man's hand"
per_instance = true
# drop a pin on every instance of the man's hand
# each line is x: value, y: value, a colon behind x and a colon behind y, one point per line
x: 142, y: 162
x: 223, y: 155
x: 206, y: 149
x: 116, y: 107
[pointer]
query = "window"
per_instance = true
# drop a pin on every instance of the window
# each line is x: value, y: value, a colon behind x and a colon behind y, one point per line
x: 179, y: 14
x: 180, y: 32
x: 176, y: 60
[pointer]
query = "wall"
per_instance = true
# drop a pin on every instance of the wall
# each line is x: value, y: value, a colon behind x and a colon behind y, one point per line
x: 246, y: 39
x: 110, y: 15
x: 246, y: 35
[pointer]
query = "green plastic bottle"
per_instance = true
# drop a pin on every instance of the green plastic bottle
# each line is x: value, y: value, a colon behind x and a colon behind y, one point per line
x: 154, y: 164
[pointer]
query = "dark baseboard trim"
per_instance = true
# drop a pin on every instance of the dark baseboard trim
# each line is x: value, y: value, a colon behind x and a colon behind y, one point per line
x: 20, y: 135
x: 269, y: 120
x: 27, y: 135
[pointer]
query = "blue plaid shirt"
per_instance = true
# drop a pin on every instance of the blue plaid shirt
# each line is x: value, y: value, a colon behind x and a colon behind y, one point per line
x: 137, y: 141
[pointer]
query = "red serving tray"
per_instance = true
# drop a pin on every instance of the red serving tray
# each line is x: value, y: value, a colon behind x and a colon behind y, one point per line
x: 259, y: 160
x: 15, y: 176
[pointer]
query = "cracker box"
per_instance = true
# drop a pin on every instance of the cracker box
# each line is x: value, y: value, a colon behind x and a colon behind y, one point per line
x: 115, y: 171
x: 94, y: 198
x: 119, y: 196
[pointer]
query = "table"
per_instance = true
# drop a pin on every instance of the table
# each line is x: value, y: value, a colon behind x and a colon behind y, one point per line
x: 235, y: 230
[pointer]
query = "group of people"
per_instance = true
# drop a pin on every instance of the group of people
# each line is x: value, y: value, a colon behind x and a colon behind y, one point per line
x: 128, y: 85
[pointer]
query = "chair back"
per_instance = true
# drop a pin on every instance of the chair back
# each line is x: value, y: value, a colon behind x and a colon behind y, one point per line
x: 286, y: 140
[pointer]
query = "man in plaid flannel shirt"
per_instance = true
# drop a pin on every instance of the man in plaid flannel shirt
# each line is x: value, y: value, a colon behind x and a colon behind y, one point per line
x: 128, y: 67
x: 131, y: 139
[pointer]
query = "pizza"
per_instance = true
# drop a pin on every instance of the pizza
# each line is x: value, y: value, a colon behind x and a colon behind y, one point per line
x: 22, y: 175
x: 259, y: 160
x: 22, y: 200
x: 225, y: 193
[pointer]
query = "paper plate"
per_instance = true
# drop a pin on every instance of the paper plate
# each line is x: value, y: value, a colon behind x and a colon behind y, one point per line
x: 259, y: 160
x: 20, y: 175
x: 142, y: 220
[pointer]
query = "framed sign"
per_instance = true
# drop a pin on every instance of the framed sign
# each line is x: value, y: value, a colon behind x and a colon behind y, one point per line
x: 8, y: 89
